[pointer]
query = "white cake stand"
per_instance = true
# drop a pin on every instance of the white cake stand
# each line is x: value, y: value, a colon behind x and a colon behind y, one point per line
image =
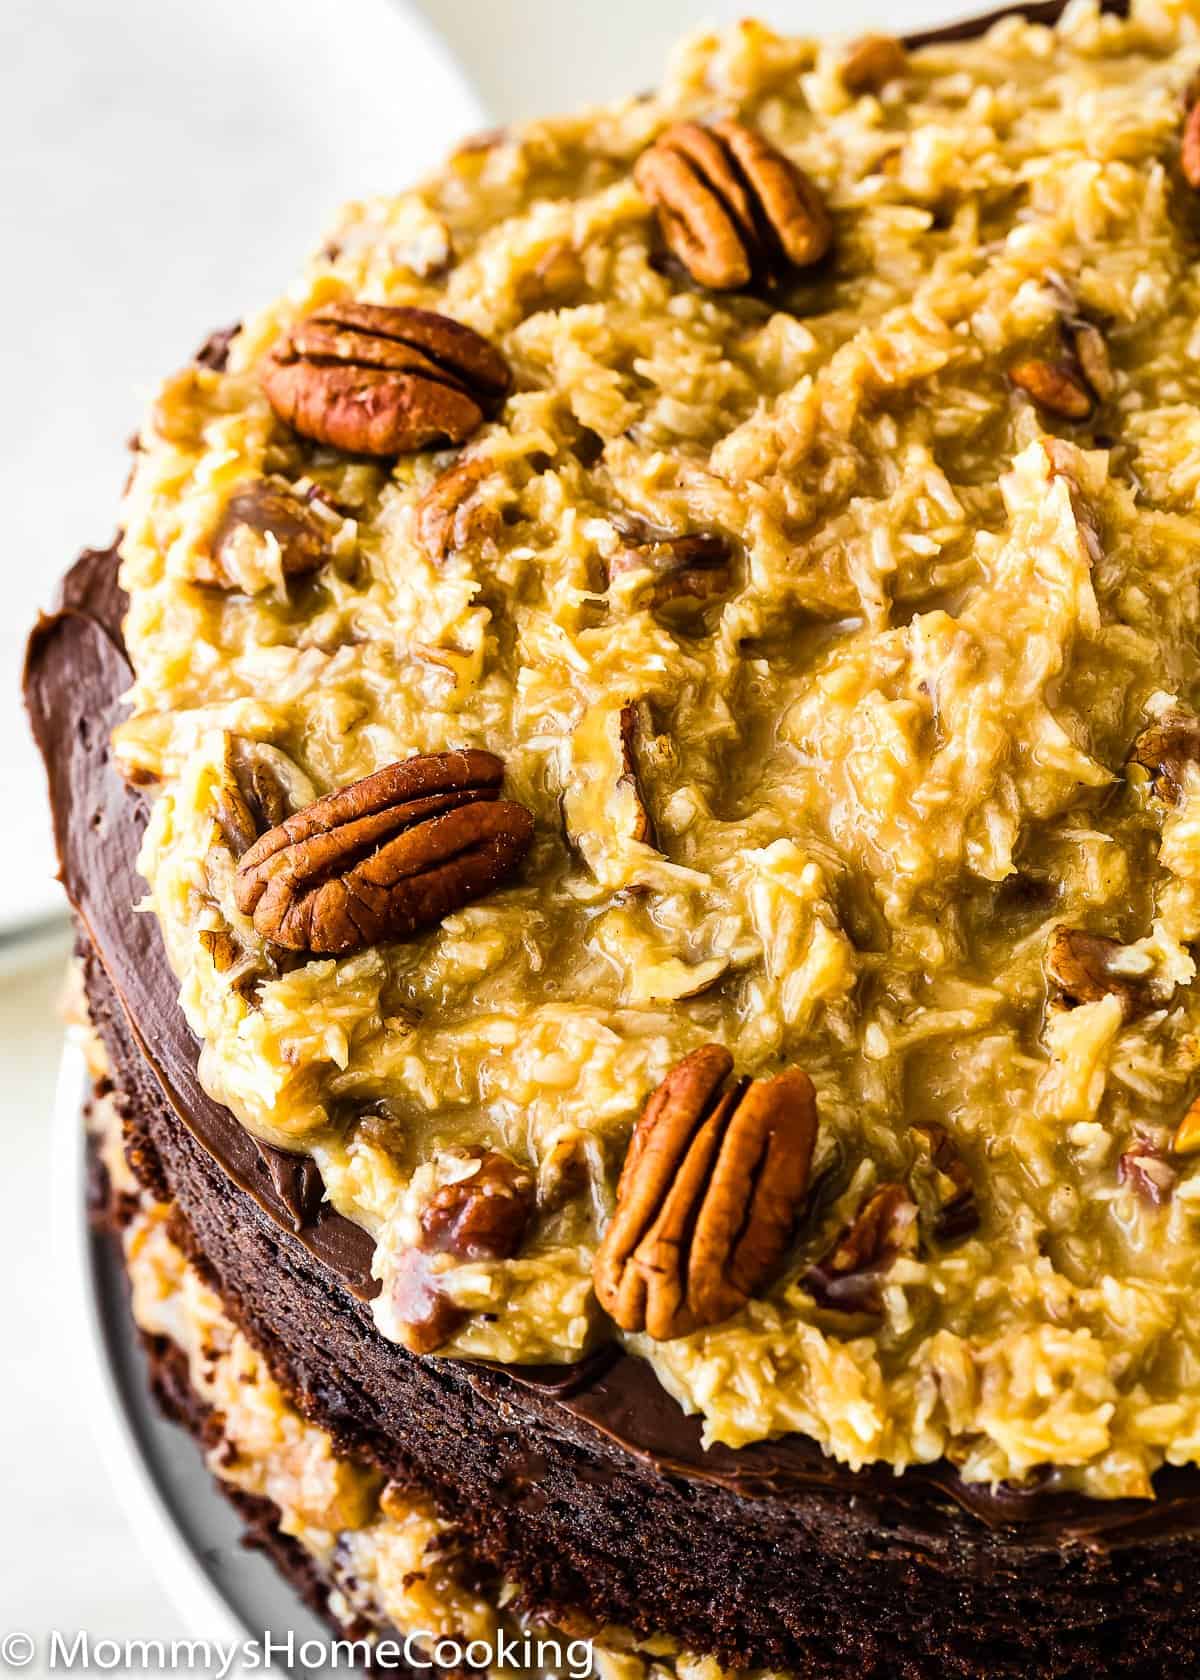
x: 190, y: 1533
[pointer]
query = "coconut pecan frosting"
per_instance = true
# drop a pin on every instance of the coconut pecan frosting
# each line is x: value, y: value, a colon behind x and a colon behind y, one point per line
x: 666, y: 670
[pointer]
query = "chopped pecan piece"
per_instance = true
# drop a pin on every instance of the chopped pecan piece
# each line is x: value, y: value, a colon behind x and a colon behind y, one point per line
x: 222, y: 948
x: 427, y: 1315
x: 871, y: 63
x: 214, y: 352
x: 564, y: 1172
x: 1055, y: 386
x: 243, y: 971
x: 259, y: 787
x: 1071, y: 387
x: 1187, y: 1134
x: 1063, y: 461
x: 735, y: 211
x: 587, y: 447
x: 688, y: 571
x: 1081, y: 966
x: 1025, y: 893
x: 629, y: 726
x: 943, y: 1185
x: 484, y: 140
x: 1189, y: 145
x: 1147, y: 1172
x: 556, y: 279
x: 1091, y: 354
x: 386, y: 856
x: 604, y: 804
x: 450, y: 514
x: 379, y: 380
x: 482, y: 1216
x: 257, y: 513
x: 708, y: 1196
x: 1166, y: 749
x: 849, y: 1276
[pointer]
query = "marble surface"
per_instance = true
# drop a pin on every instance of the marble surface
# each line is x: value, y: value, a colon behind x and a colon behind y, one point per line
x: 164, y: 164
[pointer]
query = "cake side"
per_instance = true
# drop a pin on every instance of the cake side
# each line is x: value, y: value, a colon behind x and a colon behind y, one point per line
x: 565, y: 1521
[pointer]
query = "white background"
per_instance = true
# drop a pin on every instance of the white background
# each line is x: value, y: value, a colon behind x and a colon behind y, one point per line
x: 163, y: 165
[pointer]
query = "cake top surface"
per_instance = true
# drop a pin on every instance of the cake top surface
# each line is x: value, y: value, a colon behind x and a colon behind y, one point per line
x: 721, y: 571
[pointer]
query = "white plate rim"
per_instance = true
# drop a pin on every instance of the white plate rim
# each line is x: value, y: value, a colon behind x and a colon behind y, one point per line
x: 190, y: 1535
x: 173, y: 1562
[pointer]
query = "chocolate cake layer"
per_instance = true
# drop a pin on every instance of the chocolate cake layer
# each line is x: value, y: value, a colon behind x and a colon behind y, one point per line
x: 771, y: 1556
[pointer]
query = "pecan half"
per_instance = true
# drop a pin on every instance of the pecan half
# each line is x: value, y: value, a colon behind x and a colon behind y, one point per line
x: 482, y: 1216
x: 1166, y: 749
x: 942, y: 1184
x: 374, y: 379
x: 849, y: 1276
x: 708, y: 1196
x: 1145, y: 1169
x: 871, y: 63
x: 688, y: 571
x: 386, y: 856
x: 450, y: 514
x: 259, y: 787
x: 1081, y: 966
x: 733, y: 210
x: 1057, y: 387
x: 258, y: 513
x: 1189, y: 146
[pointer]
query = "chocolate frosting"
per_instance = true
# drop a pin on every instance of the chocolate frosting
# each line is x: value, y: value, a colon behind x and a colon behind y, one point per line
x: 1036, y: 11
x: 620, y: 1397
x: 76, y: 674
x: 75, y: 678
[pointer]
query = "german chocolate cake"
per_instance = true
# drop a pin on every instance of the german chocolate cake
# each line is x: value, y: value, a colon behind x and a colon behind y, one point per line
x: 631, y: 795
